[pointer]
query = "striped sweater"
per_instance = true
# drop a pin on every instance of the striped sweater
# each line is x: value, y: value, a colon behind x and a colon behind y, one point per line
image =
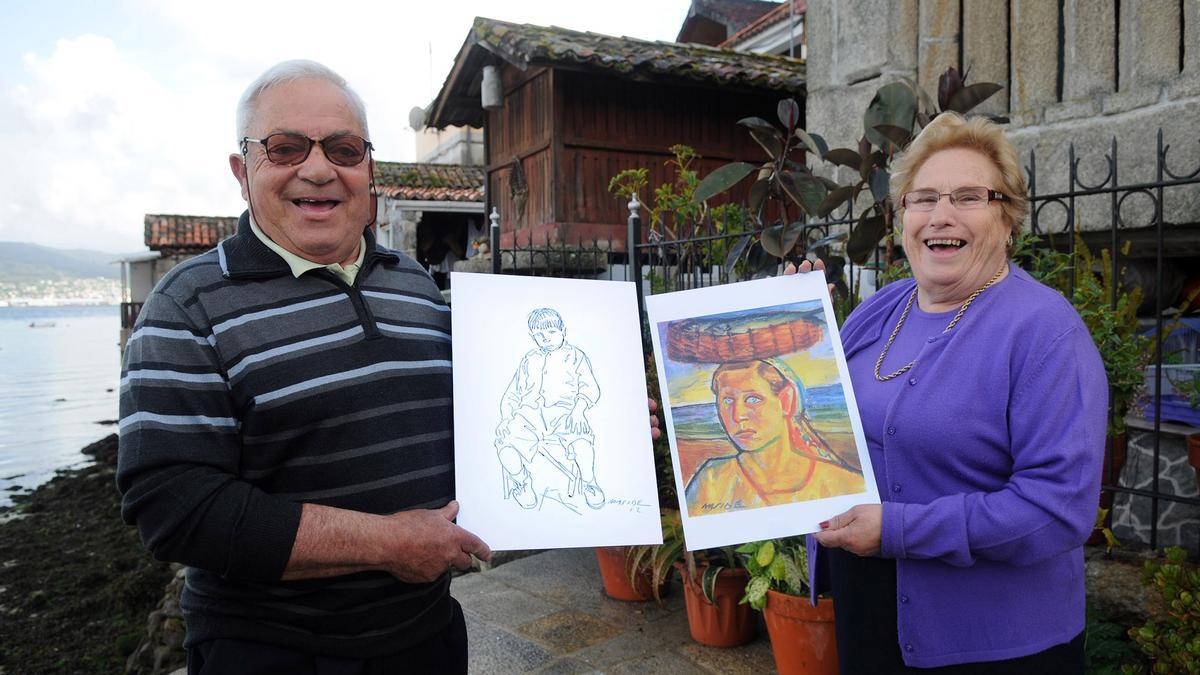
x: 246, y: 392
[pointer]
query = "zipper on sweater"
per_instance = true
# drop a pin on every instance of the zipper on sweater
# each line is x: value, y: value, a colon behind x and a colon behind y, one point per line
x: 365, y: 317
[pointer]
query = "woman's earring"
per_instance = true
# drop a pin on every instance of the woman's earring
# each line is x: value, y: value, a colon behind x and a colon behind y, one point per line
x: 1010, y: 240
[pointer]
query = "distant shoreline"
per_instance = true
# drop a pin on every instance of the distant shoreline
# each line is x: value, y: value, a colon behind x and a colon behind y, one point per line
x: 55, y: 302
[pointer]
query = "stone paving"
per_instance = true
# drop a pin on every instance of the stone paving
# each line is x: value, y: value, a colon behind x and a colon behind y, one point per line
x: 548, y: 613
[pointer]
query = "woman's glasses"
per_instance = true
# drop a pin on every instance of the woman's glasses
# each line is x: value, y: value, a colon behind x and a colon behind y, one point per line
x: 291, y: 149
x: 962, y: 198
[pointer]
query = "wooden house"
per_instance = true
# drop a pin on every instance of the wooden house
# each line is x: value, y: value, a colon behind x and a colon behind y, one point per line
x: 567, y: 110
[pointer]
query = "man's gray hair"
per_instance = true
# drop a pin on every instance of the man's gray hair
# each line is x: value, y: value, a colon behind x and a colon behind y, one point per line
x: 291, y: 71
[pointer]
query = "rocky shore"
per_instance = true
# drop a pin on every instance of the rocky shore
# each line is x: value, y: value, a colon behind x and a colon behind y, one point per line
x: 76, y: 586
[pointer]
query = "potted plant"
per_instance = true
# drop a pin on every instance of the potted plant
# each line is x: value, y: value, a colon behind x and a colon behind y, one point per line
x: 803, y: 639
x: 627, y: 579
x: 714, y: 581
x: 639, y: 573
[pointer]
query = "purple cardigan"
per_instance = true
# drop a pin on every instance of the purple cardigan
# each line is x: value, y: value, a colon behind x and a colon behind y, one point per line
x: 989, y: 472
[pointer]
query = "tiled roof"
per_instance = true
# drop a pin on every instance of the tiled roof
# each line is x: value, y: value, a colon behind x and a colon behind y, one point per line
x: 733, y: 14
x: 430, y: 182
x: 780, y: 13
x: 187, y: 233
x: 524, y: 45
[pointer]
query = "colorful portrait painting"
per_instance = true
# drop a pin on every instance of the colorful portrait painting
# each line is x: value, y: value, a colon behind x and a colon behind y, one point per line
x: 758, y: 408
x: 759, y: 413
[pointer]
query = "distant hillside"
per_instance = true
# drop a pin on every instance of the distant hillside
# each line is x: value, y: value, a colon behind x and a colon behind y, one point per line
x: 22, y: 262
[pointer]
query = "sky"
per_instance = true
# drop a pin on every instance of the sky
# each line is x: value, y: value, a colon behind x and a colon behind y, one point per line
x: 112, y: 109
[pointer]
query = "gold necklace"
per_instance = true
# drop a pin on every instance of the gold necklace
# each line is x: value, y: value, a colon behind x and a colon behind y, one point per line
x: 904, y: 315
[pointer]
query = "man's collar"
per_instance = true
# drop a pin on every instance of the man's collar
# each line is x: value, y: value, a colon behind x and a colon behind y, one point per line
x: 243, y: 256
x: 299, y: 264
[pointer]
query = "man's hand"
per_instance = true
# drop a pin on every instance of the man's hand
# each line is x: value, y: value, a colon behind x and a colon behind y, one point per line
x: 423, y: 544
x: 414, y: 546
x: 858, y: 530
x: 655, y: 432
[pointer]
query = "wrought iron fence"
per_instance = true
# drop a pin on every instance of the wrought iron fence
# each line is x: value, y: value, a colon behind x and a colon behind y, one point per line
x: 1148, y: 481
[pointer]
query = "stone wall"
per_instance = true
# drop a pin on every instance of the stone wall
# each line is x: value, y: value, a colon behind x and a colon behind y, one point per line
x: 1132, y: 516
x: 1127, y: 70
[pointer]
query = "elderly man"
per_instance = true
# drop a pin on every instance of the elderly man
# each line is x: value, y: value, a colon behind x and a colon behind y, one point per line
x: 286, y: 415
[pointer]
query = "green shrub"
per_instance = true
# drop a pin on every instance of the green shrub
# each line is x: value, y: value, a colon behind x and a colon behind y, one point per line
x: 1172, y: 644
x: 1106, y: 646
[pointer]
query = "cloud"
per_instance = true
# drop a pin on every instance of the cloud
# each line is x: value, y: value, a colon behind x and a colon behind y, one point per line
x: 95, y: 141
x: 102, y: 129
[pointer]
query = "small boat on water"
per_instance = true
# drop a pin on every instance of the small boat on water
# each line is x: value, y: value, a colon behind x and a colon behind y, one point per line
x: 41, y: 324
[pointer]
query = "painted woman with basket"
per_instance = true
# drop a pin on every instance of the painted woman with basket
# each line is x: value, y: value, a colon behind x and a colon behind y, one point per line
x: 983, y: 401
x: 774, y: 454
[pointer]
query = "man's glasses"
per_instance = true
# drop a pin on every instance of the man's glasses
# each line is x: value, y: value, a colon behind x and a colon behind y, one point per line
x: 292, y: 149
x: 962, y: 198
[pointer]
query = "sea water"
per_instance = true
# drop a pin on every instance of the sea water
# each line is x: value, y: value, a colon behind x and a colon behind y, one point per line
x: 59, y: 374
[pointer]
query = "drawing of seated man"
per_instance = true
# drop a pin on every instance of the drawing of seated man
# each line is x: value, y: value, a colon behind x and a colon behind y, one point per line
x: 781, y: 458
x: 544, y: 410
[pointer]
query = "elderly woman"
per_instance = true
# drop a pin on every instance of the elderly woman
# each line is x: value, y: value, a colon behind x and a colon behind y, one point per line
x: 983, y: 401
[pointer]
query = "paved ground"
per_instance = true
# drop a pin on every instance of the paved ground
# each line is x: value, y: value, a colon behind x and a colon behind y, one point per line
x: 548, y: 613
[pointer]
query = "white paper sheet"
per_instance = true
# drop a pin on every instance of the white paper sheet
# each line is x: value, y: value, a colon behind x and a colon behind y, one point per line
x: 521, y: 469
x: 758, y: 444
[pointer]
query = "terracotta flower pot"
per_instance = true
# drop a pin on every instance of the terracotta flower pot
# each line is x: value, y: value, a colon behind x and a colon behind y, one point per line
x: 802, y: 636
x: 614, y: 571
x: 724, y: 622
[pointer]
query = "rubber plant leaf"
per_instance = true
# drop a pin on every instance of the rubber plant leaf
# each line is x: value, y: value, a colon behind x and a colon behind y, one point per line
x: 779, y: 239
x: 722, y: 179
x: 805, y: 190
x: 895, y: 105
x: 735, y: 252
x: 971, y: 96
x: 865, y: 238
x: 815, y: 142
x: 835, y: 199
x: 789, y: 113
x: 770, y: 141
x: 844, y: 157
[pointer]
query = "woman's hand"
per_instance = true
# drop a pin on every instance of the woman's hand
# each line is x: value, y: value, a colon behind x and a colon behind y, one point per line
x: 858, y: 530
x: 655, y: 432
x: 806, y: 266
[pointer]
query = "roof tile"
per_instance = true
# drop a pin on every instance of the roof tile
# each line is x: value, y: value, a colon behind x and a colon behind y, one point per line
x: 429, y: 182
x: 172, y: 233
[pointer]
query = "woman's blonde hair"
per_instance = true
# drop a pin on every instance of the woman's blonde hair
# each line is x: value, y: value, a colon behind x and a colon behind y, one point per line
x: 948, y: 131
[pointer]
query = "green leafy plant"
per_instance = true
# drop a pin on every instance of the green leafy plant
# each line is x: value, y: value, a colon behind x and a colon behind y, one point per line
x: 780, y: 565
x: 1173, y: 643
x: 1106, y: 645
x: 895, y: 115
x: 1101, y: 526
x: 676, y: 214
x: 660, y: 559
